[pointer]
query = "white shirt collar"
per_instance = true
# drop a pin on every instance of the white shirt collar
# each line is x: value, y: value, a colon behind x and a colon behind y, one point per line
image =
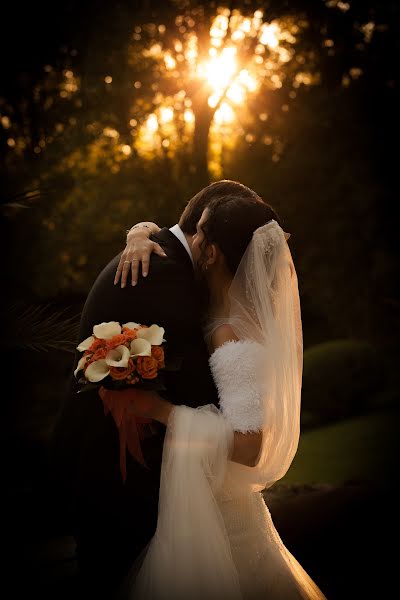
x: 178, y: 233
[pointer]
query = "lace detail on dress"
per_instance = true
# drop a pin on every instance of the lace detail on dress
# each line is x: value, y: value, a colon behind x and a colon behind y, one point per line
x: 234, y: 366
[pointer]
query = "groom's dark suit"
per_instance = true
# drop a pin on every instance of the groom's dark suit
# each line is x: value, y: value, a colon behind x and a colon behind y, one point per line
x: 113, y: 521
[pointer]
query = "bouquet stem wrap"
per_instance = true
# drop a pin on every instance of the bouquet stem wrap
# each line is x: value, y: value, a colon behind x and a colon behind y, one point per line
x: 131, y: 429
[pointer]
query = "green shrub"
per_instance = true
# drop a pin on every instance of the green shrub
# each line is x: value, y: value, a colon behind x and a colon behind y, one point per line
x: 341, y: 378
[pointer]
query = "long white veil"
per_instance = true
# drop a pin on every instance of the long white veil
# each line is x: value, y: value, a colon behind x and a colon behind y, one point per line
x: 265, y: 307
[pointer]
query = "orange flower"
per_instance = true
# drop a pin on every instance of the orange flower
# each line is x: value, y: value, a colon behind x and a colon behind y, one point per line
x: 101, y: 353
x: 98, y: 355
x: 117, y: 340
x: 119, y: 373
x: 157, y: 352
x: 96, y: 345
x: 147, y: 367
x: 131, y: 334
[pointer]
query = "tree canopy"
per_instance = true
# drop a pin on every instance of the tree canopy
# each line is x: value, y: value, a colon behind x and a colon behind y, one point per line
x: 142, y: 103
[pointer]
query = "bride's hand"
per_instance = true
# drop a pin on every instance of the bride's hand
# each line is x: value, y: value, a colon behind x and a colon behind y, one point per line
x: 140, y: 403
x: 149, y: 405
x: 137, y: 251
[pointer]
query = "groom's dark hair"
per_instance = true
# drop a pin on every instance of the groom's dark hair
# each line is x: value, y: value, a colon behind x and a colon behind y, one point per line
x: 218, y: 189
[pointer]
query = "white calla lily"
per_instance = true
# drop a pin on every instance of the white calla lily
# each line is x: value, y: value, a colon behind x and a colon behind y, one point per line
x: 118, y: 357
x: 85, y: 344
x: 154, y: 334
x: 81, y: 364
x: 105, y: 331
x: 132, y: 325
x: 97, y: 370
x: 140, y: 347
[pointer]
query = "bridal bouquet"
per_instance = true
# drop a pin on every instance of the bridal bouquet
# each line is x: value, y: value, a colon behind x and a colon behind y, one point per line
x: 120, y: 357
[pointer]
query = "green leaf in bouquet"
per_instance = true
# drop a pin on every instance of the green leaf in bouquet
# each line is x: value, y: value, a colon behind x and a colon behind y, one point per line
x: 113, y: 384
x: 148, y: 385
x: 87, y: 387
x: 152, y: 385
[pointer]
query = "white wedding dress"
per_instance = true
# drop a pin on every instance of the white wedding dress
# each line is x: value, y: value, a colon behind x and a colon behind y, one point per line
x: 215, y: 538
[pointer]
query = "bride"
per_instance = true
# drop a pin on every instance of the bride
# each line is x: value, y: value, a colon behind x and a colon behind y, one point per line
x: 215, y: 537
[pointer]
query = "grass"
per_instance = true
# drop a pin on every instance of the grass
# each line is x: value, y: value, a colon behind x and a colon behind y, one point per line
x: 361, y: 449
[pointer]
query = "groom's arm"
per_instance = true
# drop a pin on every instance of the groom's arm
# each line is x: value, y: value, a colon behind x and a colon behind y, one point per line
x: 163, y: 298
x: 168, y: 298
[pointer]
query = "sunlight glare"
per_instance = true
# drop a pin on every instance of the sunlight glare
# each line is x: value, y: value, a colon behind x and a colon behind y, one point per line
x: 126, y: 149
x: 166, y: 114
x: 188, y: 116
x: 152, y: 123
x: 238, y: 35
x: 247, y: 80
x: 5, y: 121
x: 246, y: 25
x: 110, y: 132
x: 224, y: 114
x: 236, y: 93
x: 213, y: 100
x: 220, y: 70
x: 269, y: 35
x: 169, y: 60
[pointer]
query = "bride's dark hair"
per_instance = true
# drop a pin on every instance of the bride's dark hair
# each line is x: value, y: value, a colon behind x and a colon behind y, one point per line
x: 231, y: 222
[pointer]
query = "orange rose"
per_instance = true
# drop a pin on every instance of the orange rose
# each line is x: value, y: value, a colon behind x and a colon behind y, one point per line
x: 96, y: 345
x: 131, y: 334
x: 116, y: 340
x: 98, y: 355
x: 157, y: 352
x: 101, y: 353
x: 147, y: 367
x: 119, y: 373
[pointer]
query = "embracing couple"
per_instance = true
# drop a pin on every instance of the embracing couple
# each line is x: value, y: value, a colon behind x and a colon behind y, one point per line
x: 193, y: 523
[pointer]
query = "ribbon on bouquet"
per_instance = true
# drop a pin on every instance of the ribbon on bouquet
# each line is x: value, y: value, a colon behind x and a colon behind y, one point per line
x: 131, y: 429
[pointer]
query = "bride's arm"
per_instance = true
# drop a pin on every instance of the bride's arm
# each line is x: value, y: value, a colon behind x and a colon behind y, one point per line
x: 137, y: 251
x: 247, y: 446
x: 149, y: 225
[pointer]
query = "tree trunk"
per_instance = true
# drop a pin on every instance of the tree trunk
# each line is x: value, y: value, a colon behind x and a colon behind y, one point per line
x: 203, y: 118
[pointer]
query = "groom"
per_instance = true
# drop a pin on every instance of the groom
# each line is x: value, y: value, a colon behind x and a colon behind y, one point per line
x: 113, y: 521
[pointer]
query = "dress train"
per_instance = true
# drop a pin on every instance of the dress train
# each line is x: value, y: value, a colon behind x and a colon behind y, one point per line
x: 215, y: 537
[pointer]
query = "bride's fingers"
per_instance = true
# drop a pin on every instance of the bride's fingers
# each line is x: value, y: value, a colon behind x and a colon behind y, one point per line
x: 145, y: 260
x: 130, y: 261
x: 135, y: 270
x: 154, y: 248
x: 119, y: 268
x: 145, y: 264
x: 126, y: 267
x: 158, y: 250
